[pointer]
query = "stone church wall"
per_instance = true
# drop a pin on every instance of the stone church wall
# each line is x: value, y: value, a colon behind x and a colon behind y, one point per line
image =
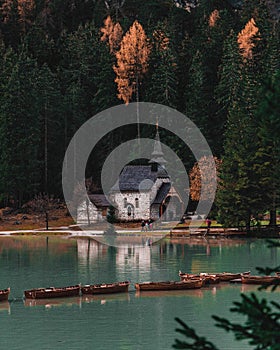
x: 125, y: 200
x: 94, y: 214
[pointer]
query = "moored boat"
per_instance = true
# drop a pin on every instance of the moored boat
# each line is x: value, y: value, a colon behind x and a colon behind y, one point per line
x: 247, y: 279
x: 106, y: 288
x: 170, y: 285
x: 4, y: 294
x: 214, y: 277
x: 53, y: 292
x: 207, y: 278
x: 228, y: 276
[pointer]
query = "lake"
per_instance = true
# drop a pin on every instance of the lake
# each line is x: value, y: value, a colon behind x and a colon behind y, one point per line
x: 124, y: 321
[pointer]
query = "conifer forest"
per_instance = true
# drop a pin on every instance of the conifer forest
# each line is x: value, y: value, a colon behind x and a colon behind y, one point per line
x: 216, y: 61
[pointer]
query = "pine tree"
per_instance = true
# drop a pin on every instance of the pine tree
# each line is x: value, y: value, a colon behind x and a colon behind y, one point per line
x: 229, y: 73
x: 51, y: 130
x: 161, y: 86
x: 19, y: 131
x: 78, y: 72
x: 213, y: 25
x: 267, y: 156
x: 240, y: 193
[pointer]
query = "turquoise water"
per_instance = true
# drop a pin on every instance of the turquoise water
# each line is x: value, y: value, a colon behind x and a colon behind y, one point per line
x: 124, y: 321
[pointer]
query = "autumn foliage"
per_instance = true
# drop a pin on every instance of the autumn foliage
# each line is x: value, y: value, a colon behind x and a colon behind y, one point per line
x: 112, y: 34
x: 214, y: 16
x: 246, y: 39
x: 132, y: 61
x: 204, y: 168
x: 161, y: 40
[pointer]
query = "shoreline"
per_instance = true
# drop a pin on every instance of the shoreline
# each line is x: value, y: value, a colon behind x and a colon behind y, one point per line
x: 178, y: 234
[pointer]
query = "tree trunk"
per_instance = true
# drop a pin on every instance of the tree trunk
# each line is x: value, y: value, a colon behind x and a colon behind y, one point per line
x: 138, y: 116
x: 272, y: 220
x: 46, y: 149
x: 248, y: 223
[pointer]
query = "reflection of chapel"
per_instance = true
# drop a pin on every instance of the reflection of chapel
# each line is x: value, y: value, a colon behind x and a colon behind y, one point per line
x: 141, y: 192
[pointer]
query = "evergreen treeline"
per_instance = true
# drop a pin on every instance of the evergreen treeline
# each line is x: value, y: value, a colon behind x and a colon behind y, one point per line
x: 214, y: 60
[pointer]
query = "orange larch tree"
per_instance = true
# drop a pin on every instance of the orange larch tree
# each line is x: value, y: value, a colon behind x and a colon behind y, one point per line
x: 246, y: 39
x: 204, y: 166
x: 132, y: 62
x: 112, y: 33
x: 25, y: 11
x: 213, y: 18
x: 6, y: 10
x: 107, y: 29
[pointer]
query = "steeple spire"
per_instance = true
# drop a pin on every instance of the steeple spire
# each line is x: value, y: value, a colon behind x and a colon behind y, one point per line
x: 157, y: 154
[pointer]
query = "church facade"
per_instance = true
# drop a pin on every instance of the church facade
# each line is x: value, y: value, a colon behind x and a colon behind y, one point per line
x: 141, y: 192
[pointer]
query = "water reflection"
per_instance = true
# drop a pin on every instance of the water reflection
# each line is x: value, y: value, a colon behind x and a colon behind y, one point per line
x: 170, y: 293
x: 133, y: 321
x: 70, y: 302
x: 253, y: 288
x: 5, y: 306
x: 50, y: 303
x: 103, y: 299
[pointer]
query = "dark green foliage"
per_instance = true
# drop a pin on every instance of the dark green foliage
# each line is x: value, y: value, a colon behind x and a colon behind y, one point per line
x: 161, y: 86
x: 206, y: 48
x: 268, y: 153
x: 51, y: 150
x: 261, y: 327
x: 106, y: 92
x: 198, y: 343
x: 240, y: 194
x: 111, y: 217
x: 56, y: 74
x: 19, y: 129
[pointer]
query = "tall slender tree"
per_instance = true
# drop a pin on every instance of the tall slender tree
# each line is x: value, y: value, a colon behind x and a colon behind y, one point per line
x: 161, y: 86
x: 132, y: 62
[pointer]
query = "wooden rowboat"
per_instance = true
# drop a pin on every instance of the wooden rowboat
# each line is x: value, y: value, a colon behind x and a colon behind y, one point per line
x: 228, y: 276
x: 214, y: 277
x: 207, y: 278
x: 4, y: 294
x: 170, y: 285
x: 52, y: 292
x: 106, y: 288
x: 260, y: 279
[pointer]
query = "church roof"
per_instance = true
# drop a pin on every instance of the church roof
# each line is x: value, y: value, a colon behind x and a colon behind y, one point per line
x: 162, y: 193
x: 99, y: 200
x: 138, y: 177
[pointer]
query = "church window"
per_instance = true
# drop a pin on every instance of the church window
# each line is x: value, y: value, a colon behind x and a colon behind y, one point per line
x: 136, y: 203
x: 125, y: 202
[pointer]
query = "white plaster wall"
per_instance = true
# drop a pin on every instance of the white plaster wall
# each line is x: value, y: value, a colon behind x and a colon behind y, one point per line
x: 94, y: 214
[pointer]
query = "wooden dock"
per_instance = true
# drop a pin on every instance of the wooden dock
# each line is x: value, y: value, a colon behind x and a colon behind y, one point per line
x: 225, y: 232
